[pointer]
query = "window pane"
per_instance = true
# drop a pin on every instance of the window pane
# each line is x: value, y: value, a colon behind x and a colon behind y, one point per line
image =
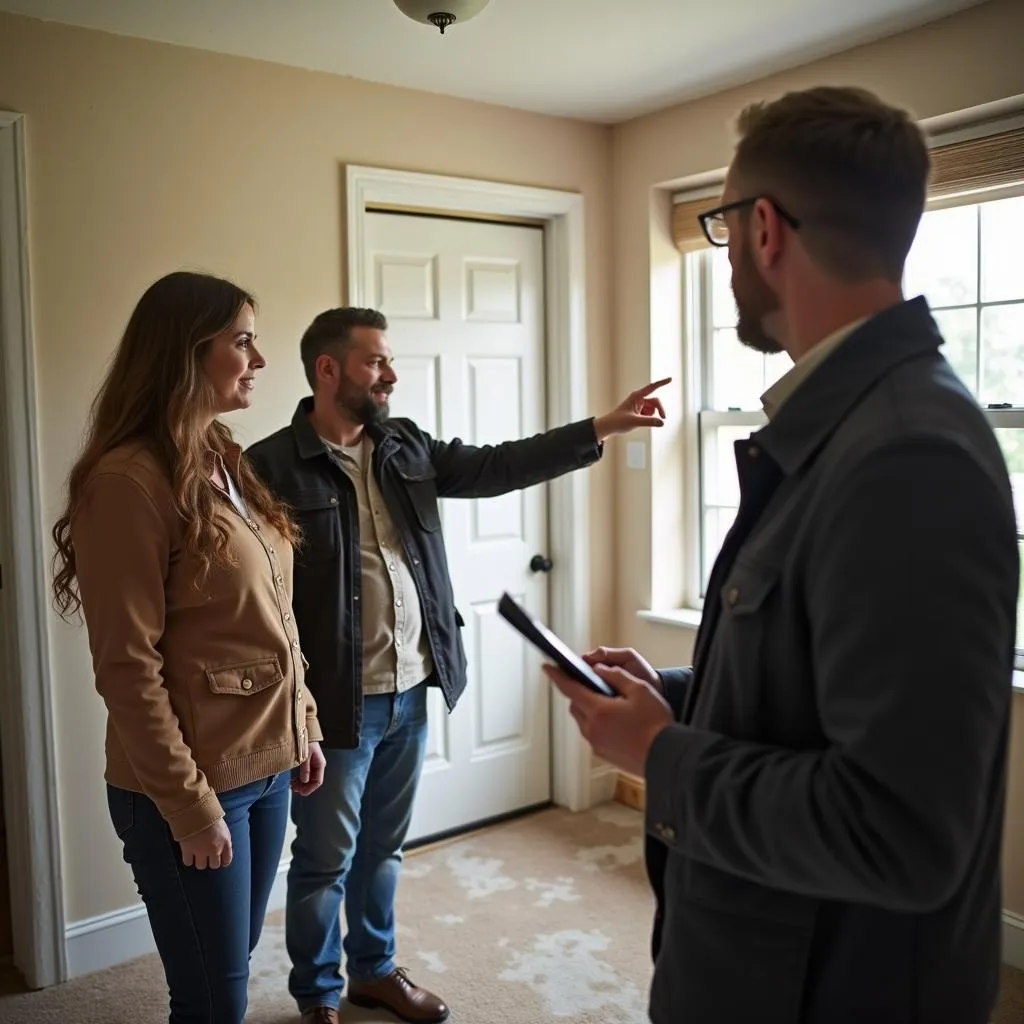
x: 721, y: 484
x: 774, y: 367
x: 741, y: 375
x: 717, y: 522
x: 960, y: 329
x: 1002, y: 354
x: 737, y: 372
x: 1002, y: 235
x: 943, y: 261
x: 723, y: 305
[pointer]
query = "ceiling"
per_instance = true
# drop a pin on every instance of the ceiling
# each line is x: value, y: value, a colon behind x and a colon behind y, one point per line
x: 598, y: 60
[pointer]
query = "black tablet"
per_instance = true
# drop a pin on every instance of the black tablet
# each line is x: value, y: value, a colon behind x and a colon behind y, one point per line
x: 544, y: 640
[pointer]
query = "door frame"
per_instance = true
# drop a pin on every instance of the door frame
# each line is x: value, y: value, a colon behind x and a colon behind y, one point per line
x: 576, y: 784
x: 26, y: 714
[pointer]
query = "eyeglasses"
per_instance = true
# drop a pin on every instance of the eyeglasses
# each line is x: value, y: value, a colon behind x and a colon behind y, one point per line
x: 716, y: 228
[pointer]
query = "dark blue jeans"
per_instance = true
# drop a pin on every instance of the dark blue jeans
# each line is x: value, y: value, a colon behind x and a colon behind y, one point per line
x: 206, y: 923
x: 348, y: 847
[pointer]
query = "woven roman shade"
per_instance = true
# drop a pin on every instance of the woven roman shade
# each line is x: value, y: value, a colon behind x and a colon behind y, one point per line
x: 686, y: 229
x: 991, y: 161
x: 988, y: 162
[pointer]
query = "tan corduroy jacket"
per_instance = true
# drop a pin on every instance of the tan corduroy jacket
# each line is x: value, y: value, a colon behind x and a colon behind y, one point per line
x: 204, y: 688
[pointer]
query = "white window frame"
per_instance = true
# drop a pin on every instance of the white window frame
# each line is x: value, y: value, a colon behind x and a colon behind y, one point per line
x: 1012, y: 418
x: 699, y: 337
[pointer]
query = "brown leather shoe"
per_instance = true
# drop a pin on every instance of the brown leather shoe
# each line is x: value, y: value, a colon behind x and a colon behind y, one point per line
x: 321, y: 1015
x: 398, y: 994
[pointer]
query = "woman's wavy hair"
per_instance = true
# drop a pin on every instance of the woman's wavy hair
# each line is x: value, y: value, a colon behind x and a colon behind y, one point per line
x: 157, y: 394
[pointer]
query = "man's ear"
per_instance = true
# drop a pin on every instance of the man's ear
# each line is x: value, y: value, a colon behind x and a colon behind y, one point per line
x: 326, y: 367
x: 766, y: 234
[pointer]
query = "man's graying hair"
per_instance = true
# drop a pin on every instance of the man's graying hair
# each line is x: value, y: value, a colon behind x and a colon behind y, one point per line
x: 852, y: 169
x: 331, y: 332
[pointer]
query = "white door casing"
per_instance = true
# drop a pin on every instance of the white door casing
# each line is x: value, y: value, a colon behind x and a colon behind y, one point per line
x: 576, y: 784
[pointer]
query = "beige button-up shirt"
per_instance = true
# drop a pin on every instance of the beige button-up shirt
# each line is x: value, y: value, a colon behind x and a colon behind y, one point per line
x: 396, y: 650
x: 773, y: 398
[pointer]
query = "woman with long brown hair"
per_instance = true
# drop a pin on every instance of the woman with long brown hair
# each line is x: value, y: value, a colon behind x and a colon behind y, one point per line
x: 181, y: 561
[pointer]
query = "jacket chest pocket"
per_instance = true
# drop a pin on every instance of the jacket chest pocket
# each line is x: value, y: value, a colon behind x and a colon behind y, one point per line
x: 419, y: 483
x: 245, y: 678
x: 317, y: 515
x: 738, y: 662
x: 746, y: 592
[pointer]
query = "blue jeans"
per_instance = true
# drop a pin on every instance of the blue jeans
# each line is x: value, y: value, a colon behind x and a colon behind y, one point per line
x: 348, y: 847
x: 206, y: 923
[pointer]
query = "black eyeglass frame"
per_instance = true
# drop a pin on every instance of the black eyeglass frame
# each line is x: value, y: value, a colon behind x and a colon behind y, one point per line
x: 718, y: 212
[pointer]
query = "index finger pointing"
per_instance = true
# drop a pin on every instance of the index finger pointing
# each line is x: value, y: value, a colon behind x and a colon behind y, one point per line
x: 653, y: 386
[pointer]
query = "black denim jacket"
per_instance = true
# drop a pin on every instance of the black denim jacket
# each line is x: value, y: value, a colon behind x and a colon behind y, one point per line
x: 412, y: 470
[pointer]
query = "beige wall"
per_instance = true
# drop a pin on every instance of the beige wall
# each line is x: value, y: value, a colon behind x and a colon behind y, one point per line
x: 965, y: 60
x: 145, y: 158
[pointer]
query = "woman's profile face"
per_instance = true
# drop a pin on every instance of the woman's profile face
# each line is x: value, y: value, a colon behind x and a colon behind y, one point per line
x: 231, y: 361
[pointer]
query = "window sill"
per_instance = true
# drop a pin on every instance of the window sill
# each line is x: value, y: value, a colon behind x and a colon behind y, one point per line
x: 689, y: 618
x: 686, y: 618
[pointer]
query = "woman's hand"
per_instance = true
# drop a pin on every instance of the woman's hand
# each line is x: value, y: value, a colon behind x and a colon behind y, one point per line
x: 311, y: 772
x: 210, y: 848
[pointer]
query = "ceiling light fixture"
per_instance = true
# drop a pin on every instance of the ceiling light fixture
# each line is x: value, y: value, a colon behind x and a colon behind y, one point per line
x: 441, y: 13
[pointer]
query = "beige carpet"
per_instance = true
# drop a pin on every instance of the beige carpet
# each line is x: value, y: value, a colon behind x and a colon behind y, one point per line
x: 543, y: 919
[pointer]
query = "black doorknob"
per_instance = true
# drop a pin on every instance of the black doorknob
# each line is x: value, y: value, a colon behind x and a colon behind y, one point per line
x: 540, y: 563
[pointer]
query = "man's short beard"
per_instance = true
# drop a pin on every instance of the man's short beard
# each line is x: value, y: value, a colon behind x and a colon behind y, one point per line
x: 754, y: 302
x: 372, y: 413
x: 361, y: 406
x: 753, y: 335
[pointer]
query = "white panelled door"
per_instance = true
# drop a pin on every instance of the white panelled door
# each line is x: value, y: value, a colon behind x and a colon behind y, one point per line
x: 465, y: 308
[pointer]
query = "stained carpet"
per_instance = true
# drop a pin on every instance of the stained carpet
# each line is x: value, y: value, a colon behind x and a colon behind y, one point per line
x: 545, y: 919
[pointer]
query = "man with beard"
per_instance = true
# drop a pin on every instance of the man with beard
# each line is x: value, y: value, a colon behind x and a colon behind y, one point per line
x: 825, y: 784
x: 377, y: 619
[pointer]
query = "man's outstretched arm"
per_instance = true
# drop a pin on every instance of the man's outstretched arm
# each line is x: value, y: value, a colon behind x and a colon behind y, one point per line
x: 469, y: 471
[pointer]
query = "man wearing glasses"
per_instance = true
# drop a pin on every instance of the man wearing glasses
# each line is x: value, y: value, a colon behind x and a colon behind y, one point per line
x: 825, y: 783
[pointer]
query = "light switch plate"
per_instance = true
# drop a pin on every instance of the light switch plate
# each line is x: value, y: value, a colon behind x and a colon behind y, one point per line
x: 636, y: 455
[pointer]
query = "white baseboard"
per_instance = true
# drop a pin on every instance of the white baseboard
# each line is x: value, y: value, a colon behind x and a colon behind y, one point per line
x: 110, y: 939
x: 603, y: 779
x: 1013, y: 939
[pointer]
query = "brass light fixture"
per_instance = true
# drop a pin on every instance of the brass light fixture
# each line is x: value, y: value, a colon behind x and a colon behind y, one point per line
x: 441, y: 14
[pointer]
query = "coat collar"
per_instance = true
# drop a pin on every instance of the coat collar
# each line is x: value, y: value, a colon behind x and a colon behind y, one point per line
x: 308, y: 441
x: 814, y: 411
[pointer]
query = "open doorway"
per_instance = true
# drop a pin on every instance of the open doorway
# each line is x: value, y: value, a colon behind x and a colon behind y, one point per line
x: 28, y: 815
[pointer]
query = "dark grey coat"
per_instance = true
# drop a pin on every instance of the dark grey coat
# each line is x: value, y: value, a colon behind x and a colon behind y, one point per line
x: 825, y: 820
